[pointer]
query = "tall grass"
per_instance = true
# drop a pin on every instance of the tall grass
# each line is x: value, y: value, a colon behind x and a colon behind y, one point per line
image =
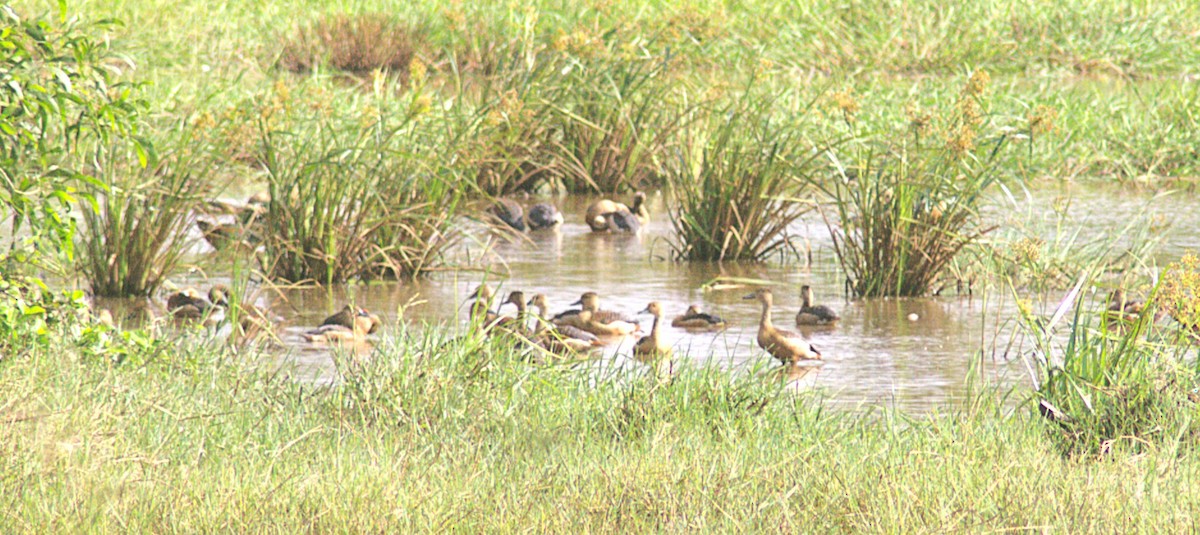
x: 736, y: 184
x: 135, y: 232
x: 904, y: 211
x: 615, y: 118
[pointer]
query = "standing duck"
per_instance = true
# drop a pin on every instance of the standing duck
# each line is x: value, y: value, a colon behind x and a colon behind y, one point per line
x: 597, y: 321
x: 814, y: 315
x: 787, y: 346
x: 694, y: 318
x: 651, y: 347
x: 543, y: 216
x: 509, y: 212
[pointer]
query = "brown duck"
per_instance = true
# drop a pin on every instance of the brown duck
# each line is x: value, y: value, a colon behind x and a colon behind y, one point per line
x: 651, y: 346
x: 787, y: 346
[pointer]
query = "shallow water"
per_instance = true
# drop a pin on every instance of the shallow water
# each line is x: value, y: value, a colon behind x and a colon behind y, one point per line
x: 913, y: 353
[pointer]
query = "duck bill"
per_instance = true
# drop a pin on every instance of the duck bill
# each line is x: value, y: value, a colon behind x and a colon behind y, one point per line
x: 750, y: 296
x: 578, y: 302
x: 645, y: 311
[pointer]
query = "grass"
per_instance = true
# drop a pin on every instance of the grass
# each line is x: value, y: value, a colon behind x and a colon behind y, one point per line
x: 476, y: 439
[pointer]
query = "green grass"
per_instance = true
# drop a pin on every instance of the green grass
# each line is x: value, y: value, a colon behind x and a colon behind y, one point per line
x: 468, y: 437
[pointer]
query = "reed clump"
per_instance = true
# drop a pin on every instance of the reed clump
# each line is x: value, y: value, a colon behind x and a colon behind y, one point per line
x: 349, y: 202
x: 358, y: 45
x: 135, y: 232
x: 904, y: 210
x: 737, y: 184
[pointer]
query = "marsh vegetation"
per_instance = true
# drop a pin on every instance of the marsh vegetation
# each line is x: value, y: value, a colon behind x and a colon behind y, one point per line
x: 929, y: 159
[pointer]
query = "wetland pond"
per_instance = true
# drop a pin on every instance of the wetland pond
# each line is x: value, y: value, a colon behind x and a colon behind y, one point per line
x: 913, y: 354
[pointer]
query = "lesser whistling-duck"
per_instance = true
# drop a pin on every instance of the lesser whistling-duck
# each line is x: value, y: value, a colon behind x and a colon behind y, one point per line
x: 595, y: 320
x: 559, y: 339
x: 604, y: 215
x: 334, y: 328
x: 509, y: 212
x: 814, y: 314
x: 543, y: 216
x: 694, y: 318
x: 787, y: 346
x: 651, y: 346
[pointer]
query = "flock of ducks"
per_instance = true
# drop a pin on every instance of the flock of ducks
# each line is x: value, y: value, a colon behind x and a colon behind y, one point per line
x: 573, y: 331
x: 579, y: 330
x: 602, y: 216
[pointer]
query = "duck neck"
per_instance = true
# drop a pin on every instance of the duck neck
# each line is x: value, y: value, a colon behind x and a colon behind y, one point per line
x: 541, y: 319
x: 807, y: 299
x: 654, y: 328
x: 765, y: 321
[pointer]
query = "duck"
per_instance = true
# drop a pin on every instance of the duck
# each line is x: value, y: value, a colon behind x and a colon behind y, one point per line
x: 481, y: 310
x: 786, y: 346
x: 814, y: 315
x: 559, y: 339
x: 509, y: 212
x: 599, y: 218
x: 1122, y: 309
x: 543, y: 216
x: 189, y: 305
x: 593, y: 319
x: 351, y: 317
x: 335, y: 328
x: 515, y: 325
x: 694, y: 318
x: 651, y: 347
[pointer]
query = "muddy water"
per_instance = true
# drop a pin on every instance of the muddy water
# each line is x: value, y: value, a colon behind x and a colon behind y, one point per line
x: 913, y: 353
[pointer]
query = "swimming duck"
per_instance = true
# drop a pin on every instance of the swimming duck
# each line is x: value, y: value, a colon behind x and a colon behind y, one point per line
x: 597, y: 321
x: 651, y: 346
x: 188, y: 304
x: 599, y: 219
x: 509, y: 212
x: 559, y: 339
x: 786, y: 346
x: 544, y: 215
x: 695, y: 319
x: 334, y: 328
x: 351, y: 317
x: 814, y: 315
